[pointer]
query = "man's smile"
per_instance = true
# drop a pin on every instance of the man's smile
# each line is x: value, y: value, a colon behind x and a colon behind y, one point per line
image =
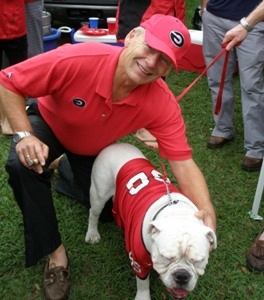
x: 143, y: 69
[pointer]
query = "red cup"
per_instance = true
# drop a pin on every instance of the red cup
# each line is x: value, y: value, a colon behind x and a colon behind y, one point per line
x: 111, y: 24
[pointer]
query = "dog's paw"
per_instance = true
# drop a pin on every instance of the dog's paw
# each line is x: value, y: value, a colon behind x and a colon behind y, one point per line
x: 142, y: 296
x: 92, y: 237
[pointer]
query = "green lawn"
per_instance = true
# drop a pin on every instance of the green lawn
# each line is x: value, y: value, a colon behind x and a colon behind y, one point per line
x: 102, y: 272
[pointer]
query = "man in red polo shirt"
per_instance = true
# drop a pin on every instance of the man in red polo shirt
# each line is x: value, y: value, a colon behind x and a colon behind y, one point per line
x: 88, y: 96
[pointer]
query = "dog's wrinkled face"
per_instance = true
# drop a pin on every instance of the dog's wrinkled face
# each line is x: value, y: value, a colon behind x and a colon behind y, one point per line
x: 180, y: 253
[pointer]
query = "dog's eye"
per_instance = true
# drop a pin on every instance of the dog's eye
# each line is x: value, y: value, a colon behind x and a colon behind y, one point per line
x: 166, y: 259
x: 195, y: 261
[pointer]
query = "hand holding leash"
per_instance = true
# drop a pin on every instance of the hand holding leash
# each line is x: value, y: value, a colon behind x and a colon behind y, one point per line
x: 234, y: 37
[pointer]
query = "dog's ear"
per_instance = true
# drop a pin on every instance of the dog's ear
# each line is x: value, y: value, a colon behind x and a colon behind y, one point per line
x: 211, y: 236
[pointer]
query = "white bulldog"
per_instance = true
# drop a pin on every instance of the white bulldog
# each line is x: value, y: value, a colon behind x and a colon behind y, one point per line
x: 160, y: 227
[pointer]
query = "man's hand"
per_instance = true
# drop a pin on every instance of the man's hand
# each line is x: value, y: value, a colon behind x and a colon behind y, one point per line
x: 206, y: 218
x: 234, y: 37
x: 32, y: 153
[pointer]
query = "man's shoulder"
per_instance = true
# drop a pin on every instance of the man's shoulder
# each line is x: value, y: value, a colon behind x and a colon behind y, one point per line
x: 161, y: 89
x: 91, y: 48
x: 87, y: 54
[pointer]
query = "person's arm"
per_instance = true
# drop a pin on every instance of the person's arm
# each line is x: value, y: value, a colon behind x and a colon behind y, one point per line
x: 203, y: 6
x: 237, y: 34
x: 256, y: 15
x: 13, y: 107
x: 193, y: 185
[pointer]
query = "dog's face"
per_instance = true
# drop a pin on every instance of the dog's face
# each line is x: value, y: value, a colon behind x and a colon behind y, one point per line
x: 180, y: 252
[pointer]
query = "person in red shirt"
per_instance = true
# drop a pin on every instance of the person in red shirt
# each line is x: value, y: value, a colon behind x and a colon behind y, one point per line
x: 13, y: 32
x: 88, y: 96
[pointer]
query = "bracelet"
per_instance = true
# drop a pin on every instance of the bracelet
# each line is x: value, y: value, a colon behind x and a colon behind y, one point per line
x: 245, y: 25
x: 201, y: 11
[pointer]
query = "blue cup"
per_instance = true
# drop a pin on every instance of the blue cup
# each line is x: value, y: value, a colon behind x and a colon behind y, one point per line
x: 93, y: 22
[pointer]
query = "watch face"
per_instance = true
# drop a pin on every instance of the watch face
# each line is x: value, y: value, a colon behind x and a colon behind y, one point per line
x: 20, y: 135
x: 16, y: 137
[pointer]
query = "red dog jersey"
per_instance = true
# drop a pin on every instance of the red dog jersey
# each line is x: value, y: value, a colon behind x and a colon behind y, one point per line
x: 138, y: 185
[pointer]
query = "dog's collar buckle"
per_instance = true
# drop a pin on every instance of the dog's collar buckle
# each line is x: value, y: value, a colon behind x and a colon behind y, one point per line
x: 171, y: 202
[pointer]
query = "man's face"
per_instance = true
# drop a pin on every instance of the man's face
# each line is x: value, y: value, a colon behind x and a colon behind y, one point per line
x: 144, y: 64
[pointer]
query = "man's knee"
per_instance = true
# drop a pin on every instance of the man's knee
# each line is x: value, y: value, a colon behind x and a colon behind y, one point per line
x: 13, y: 166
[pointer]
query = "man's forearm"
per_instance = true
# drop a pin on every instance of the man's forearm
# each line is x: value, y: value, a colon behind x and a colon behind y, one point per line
x: 193, y: 185
x: 13, y: 107
x: 256, y: 15
x: 203, y: 6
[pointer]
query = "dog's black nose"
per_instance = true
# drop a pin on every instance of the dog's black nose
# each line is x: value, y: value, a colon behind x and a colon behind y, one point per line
x: 181, y: 276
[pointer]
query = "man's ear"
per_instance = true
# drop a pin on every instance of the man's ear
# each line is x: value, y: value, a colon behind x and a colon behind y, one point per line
x: 129, y: 37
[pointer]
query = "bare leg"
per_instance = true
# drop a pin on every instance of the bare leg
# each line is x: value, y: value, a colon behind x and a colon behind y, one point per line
x: 145, y: 137
x: 59, y: 257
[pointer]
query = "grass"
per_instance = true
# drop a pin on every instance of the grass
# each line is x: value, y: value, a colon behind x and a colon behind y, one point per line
x: 102, y: 272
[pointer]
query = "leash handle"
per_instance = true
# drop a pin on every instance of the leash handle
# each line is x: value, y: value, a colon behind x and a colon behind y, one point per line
x: 220, y: 93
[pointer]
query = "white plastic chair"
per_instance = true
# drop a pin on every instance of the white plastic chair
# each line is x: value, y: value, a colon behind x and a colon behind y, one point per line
x: 258, y: 196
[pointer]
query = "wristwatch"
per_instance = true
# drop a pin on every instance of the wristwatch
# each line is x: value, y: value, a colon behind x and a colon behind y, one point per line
x: 201, y: 11
x: 18, y: 136
x: 245, y: 25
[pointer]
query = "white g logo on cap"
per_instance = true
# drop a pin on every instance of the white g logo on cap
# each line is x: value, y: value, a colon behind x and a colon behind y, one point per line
x: 177, y: 38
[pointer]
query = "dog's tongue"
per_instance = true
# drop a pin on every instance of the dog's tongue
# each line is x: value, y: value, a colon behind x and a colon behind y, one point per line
x: 178, y: 293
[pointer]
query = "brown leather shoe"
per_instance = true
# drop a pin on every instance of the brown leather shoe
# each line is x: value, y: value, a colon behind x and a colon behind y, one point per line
x: 251, y: 164
x: 56, y: 284
x: 215, y: 142
x: 255, y: 256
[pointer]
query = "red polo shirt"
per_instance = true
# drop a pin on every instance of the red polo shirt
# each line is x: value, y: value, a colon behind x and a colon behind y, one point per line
x: 74, y: 86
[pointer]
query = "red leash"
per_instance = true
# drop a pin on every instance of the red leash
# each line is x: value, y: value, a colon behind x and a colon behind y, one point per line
x: 220, y: 93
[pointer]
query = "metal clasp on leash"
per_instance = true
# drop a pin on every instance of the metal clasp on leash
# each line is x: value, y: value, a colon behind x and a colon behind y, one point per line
x: 167, y: 182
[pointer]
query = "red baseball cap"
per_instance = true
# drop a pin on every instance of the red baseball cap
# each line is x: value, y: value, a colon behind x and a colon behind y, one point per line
x: 168, y: 35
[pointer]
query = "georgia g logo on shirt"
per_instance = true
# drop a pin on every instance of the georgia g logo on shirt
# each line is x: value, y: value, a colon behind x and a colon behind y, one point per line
x: 78, y: 102
x: 177, y: 38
